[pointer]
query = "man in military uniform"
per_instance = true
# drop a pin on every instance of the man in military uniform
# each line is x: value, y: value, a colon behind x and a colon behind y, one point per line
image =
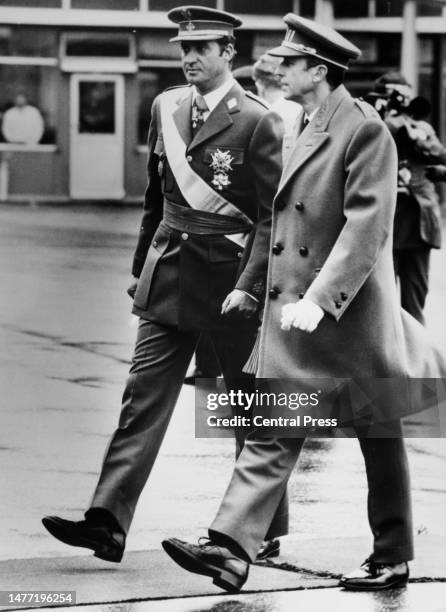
x: 332, y: 311
x: 213, y: 168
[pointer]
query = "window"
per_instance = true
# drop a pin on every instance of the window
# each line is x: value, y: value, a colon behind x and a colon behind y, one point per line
x: 264, y: 41
x: 97, y: 45
x: 389, y: 8
x: 112, y: 5
x: 368, y: 43
x: 259, y: 7
x: 32, y: 42
x: 150, y: 84
x: 33, y: 92
x: 166, y: 5
x: 351, y: 8
x: 156, y: 45
x: 307, y: 8
x: 32, y: 3
x: 428, y: 8
x: 381, y: 53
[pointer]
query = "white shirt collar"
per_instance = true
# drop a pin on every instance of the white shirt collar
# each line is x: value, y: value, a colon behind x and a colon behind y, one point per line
x: 311, y: 115
x: 213, y: 98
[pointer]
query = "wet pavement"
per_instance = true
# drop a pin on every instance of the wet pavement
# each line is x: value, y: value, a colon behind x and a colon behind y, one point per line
x: 417, y: 598
x: 66, y: 336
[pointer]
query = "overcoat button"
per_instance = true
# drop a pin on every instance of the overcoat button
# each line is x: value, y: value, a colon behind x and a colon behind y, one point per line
x: 189, y: 158
x: 273, y: 293
x: 155, y: 243
x: 344, y: 296
x: 184, y: 236
x: 299, y: 206
x: 338, y: 304
x: 303, y: 251
x: 277, y: 249
x: 301, y: 296
x: 239, y: 254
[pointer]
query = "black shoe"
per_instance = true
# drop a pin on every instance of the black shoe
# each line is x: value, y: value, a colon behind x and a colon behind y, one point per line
x: 228, y: 571
x: 268, y: 550
x: 106, y: 543
x: 373, y: 576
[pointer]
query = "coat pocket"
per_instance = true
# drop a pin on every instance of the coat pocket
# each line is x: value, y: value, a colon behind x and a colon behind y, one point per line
x: 158, y: 247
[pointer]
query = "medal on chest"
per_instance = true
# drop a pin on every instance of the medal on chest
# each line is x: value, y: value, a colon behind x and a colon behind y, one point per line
x: 221, y: 165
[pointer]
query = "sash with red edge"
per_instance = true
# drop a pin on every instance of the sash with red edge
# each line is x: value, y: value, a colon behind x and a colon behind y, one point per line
x: 198, y: 194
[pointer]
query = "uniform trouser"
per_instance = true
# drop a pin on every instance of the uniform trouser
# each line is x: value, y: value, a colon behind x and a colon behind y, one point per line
x: 261, y: 474
x: 161, y: 358
x: 206, y: 359
x: 412, y: 270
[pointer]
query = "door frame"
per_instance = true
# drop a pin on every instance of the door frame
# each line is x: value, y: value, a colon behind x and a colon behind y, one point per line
x: 75, y: 79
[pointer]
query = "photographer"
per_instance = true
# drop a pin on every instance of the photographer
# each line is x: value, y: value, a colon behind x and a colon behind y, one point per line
x: 417, y: 224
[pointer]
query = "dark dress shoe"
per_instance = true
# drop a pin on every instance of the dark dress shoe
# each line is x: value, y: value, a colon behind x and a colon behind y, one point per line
x: 228, y: 571
x: 373, y: 576
x: 268, y: 550
x: 106, y: 543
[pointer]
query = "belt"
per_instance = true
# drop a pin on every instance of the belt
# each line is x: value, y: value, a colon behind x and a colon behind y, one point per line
x: 200, y: 222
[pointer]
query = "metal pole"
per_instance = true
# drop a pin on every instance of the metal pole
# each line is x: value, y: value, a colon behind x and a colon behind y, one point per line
x: 324, y: 12
x: 409, y: 44
x: 296, y: 7
x: 4, y: 177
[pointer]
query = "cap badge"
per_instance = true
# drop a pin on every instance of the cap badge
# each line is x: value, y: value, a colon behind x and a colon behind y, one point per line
x: 190, y: 26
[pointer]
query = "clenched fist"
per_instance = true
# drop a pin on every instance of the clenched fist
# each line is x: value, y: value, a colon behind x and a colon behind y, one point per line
x: 304, y: 315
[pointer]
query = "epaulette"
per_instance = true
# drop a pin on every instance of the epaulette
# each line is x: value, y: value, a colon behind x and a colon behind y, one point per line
x: 177, y: 87
x: 366, y: 109
x: 257, y: 99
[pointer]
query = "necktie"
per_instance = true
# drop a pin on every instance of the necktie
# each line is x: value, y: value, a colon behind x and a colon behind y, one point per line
x: 199, y: 108
x: 301, y: 125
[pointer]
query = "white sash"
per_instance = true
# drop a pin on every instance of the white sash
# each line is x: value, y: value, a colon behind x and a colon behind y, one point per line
x: 198, y: 194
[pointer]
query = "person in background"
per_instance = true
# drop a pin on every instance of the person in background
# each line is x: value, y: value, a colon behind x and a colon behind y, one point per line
x: 23, y: 123
x: 268, y: 84
x: 417, y: 224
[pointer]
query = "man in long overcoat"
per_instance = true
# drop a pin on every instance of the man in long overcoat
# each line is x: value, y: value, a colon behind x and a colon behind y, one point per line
x: 332, y: 312
x: 213, y: 168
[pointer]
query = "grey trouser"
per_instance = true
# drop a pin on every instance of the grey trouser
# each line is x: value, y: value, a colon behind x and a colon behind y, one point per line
x: 261, y: 475
x: 160, y: 361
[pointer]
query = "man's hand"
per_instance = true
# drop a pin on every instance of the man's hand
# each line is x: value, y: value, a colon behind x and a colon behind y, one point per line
x: 431, y: 146
x: 436, y: 174
x: 304, y: 315
x: 241, y: 302
x: 132, y: 288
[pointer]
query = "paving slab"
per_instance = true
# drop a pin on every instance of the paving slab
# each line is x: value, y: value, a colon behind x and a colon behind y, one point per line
x: 332, y: 557
x: 141, y: 575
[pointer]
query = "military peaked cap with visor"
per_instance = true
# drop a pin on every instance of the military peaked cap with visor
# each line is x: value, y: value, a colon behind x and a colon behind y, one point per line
x: 305, y: 38
x: 199, y: 23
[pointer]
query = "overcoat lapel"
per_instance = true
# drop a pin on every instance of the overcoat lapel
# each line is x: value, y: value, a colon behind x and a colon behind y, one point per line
x: 220, y: 118
x: 182, y: 117
x: 313, y: 137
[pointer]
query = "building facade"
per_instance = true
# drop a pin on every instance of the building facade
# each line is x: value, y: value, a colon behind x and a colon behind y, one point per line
x: 92, y: 68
